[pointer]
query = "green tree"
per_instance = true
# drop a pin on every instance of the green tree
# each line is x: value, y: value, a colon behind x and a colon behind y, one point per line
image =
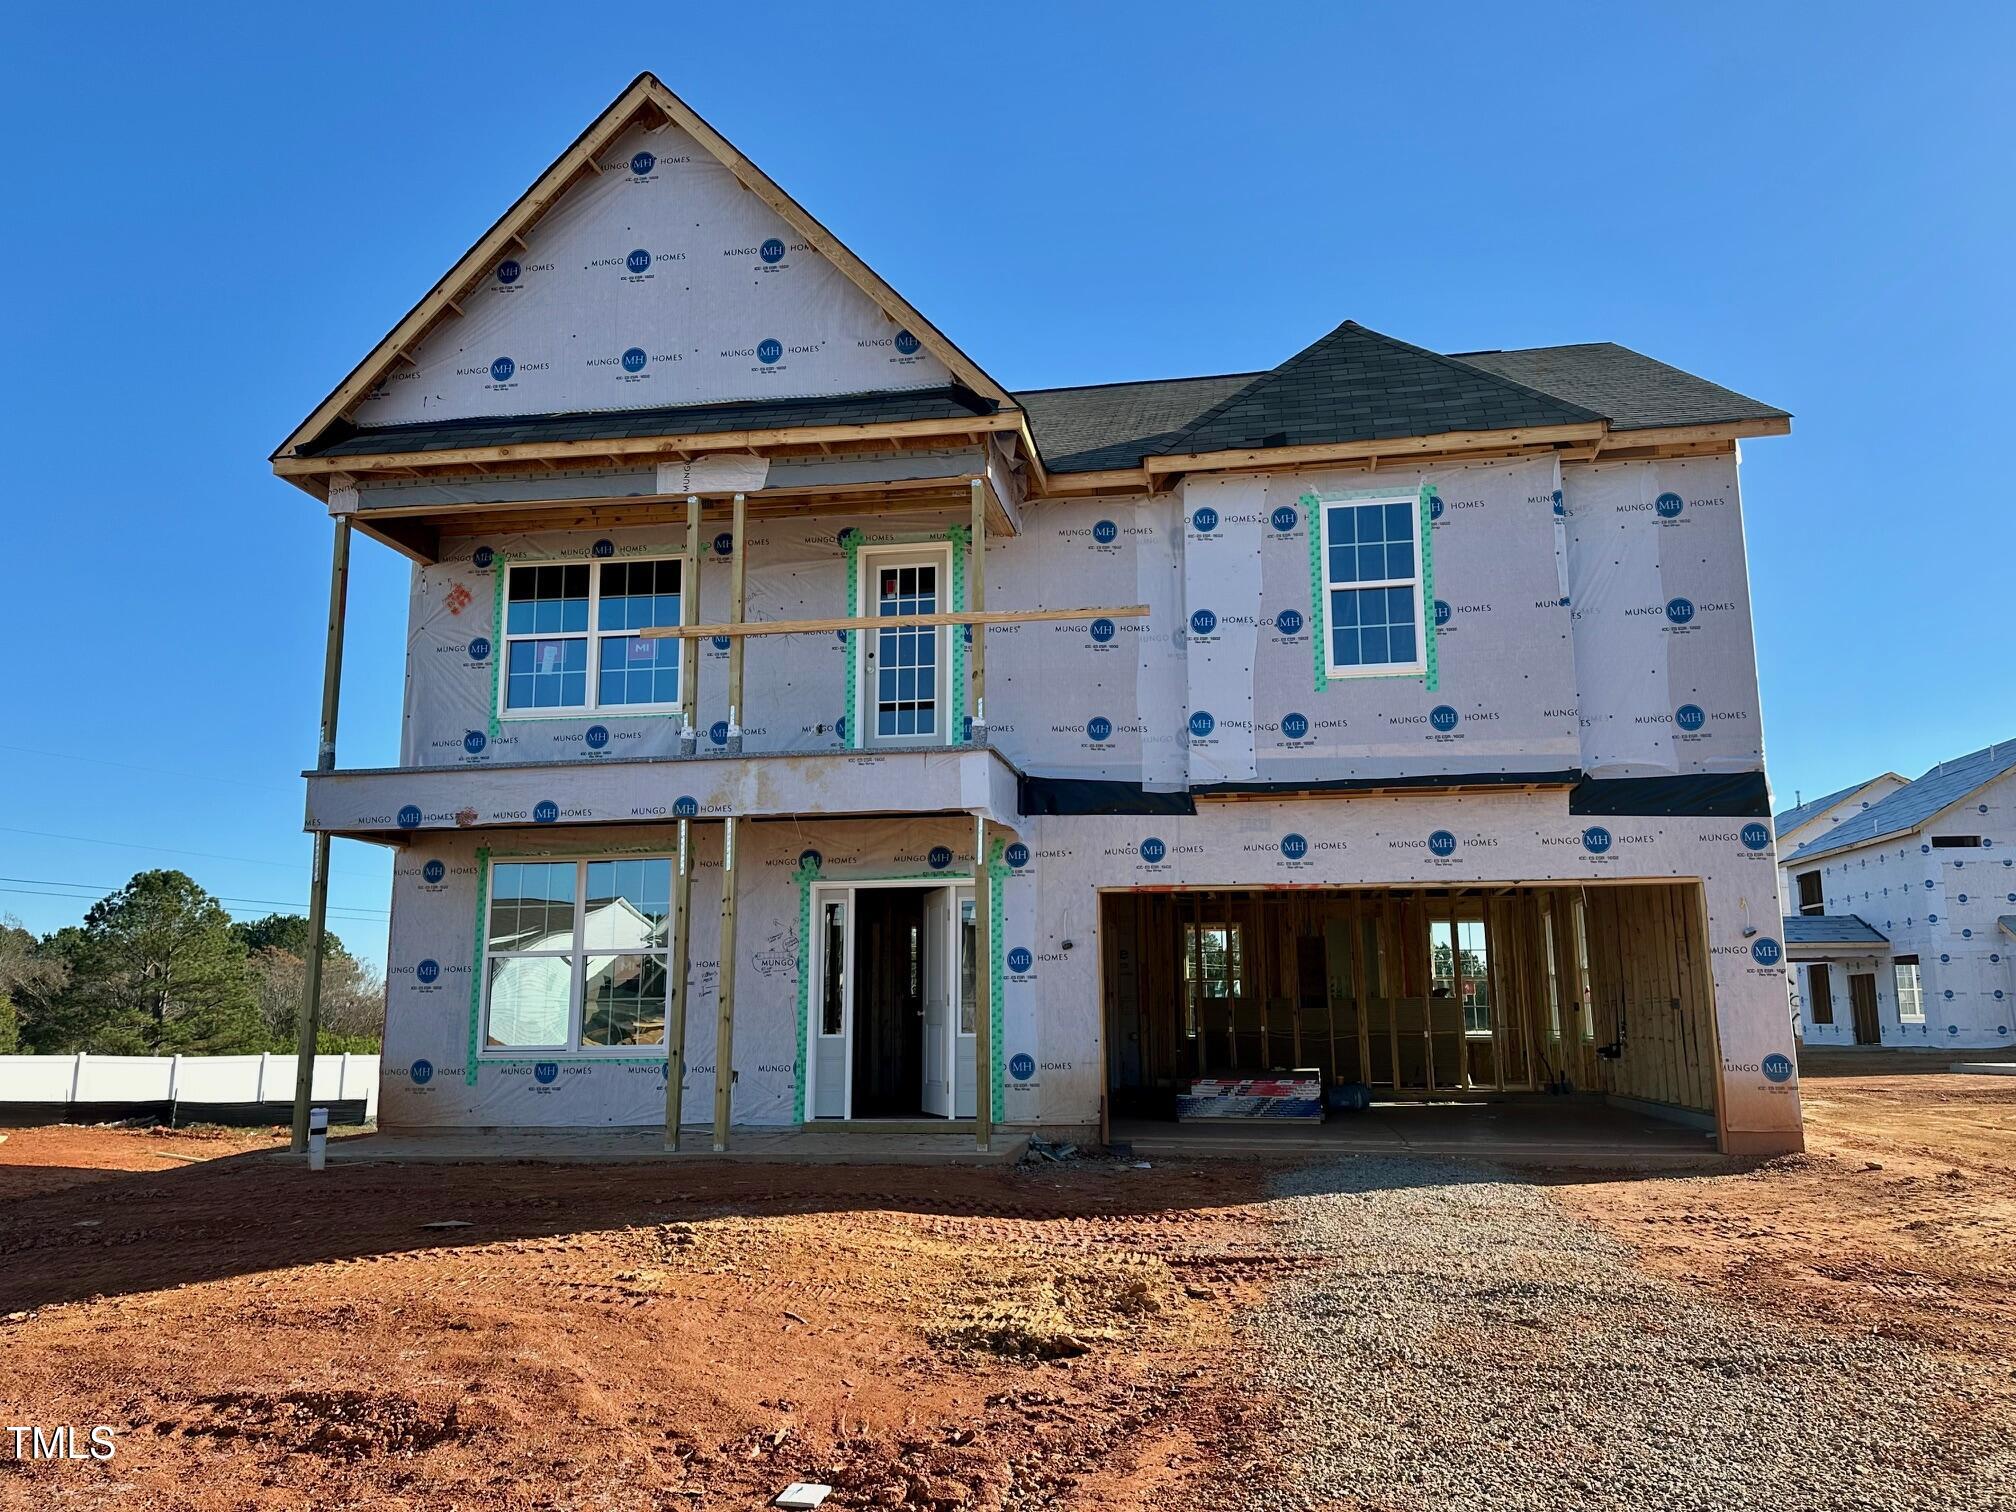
x: 156, y: 969
x: 288, y: 932
x: 33, y: 975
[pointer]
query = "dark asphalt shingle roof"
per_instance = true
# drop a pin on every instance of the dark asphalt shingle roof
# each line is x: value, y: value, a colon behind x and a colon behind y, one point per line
x: 1793, y: 817
x: 1831, y: 929
x: 675, y: 420
x: 1115, y: 425
x: 1357, y: 385
x: 1352, y: 385
x: 1627, y: 388
x: 1914, y: 803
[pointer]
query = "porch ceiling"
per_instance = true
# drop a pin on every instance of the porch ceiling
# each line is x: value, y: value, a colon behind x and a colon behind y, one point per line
x: 387, y: 803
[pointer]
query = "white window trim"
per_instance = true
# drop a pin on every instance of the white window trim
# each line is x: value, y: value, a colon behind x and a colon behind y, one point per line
x: 593, y: 636
x: 578, y: 953
x: 864, y: 738
x: 1331, y: 668
x: 1897, y: 988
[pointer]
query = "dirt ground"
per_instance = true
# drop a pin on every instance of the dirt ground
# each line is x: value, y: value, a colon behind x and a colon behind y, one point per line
x: 697, y: 1336
x: 1899, y: 1219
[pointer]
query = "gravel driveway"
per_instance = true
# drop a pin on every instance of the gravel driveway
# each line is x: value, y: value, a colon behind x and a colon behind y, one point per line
x: 1468, y: 1344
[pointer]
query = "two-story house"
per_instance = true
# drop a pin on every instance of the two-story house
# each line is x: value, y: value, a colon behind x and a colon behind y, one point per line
x: 801, y: 726
x: 1903, y: 899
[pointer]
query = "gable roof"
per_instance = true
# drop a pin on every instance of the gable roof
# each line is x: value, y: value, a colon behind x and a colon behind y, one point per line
x: 1916, y: 802
x: 1106, y: 425
x: 646, y: 97
x: 1358, y: 385
x: 1798, y: 814
x: 1630, y: 390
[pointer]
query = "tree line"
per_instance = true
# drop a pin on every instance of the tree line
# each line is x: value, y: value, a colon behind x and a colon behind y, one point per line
x: 160, y: 968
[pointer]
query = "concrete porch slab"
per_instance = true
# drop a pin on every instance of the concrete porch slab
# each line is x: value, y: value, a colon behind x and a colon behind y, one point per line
x: 1547, y: 1132
x: 860, y: 1146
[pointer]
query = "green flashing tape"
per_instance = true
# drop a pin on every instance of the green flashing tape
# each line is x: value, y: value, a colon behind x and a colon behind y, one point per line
x: 1428, y: 585
x: 476, y: 964
x: 1318, y: 636
x: 958, y: 536
x: 805, y: 876
x: 497, y: 645
x: 997, y: 874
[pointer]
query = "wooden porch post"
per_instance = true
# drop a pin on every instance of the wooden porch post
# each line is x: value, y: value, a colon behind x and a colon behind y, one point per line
x: 308, y: 1022
x: 738, y: 576
x: 976, y: 599
x: 689, y: 648
x: 983, y: 987
x: 675, y: 1025
x: 724, y: 1034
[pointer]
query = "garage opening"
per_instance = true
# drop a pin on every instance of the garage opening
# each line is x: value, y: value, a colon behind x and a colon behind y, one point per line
x: 1415, y: 994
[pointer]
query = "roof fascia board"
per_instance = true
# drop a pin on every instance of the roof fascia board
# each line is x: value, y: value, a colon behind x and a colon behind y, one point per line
x: 1394, y: 446
x: 645, y: 446
x: 536, y: 201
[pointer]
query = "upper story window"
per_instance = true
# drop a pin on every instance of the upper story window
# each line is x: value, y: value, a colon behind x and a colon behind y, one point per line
x: 1372, y: 587
x: 1810, y: 899
x: 567, y: 636
x: 1956, y: 842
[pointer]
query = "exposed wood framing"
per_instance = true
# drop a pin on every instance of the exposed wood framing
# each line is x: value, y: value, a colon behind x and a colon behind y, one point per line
x: 737, y: 629
x: 682, y: 965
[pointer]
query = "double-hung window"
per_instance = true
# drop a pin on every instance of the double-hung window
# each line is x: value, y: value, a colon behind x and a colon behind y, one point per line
x: 1910, y: 991
x: 1372, y: 587
x: 570, y: 641
x: 575, y: 954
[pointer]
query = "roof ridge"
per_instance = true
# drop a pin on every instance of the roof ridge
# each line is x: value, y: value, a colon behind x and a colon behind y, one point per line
x: 1079, y: 388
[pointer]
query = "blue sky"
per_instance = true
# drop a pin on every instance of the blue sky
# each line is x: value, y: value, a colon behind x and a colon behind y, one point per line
x: 216, y: 211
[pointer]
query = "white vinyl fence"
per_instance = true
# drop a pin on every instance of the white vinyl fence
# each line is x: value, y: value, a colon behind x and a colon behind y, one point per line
x: 85, y: 1078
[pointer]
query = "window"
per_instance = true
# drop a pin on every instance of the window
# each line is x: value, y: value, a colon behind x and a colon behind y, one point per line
x: 1585, y: 1003
x: 906, y: 660
x: 1553, y: 970
x: 1819, y: 995
x: 1214, y: 965
x: 1956, y: 842
x: 833, y: 987
x: 969, y: 941
x: 575, y: 954
x: 1372, y: 587
x: 1811, y: 900
x: 1910, y: 992
x: 555, y: 660
x: 1460, y: 966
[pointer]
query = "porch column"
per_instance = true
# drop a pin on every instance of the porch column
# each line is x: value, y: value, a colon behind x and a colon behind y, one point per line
x: 308, y: 1023
x: 983, y: 986
x: 738, y: 574
x: 675, y: 1023
x: 976, y: 599
x: 689, y: 649
x: 724, y: 1036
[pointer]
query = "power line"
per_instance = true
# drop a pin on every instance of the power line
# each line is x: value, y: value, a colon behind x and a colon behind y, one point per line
x: 103, y: 890
x: 169, y: 850
x: 32, y: 892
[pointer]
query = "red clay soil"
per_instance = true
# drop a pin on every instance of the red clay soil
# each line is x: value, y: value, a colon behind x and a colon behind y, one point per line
x: 1899, y: 1219
x: 624, y: 1337
x: 697, y: 1336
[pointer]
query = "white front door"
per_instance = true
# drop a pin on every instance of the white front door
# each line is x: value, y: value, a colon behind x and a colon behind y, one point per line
x: 939, y: 1032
